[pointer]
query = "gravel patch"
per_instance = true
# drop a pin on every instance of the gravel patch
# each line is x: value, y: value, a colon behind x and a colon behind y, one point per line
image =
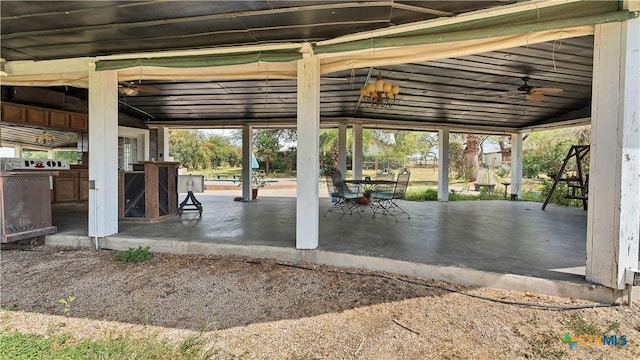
x: 255, y: 308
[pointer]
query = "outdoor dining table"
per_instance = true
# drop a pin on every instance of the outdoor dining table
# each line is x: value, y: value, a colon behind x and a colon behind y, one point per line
x: 368, y: 186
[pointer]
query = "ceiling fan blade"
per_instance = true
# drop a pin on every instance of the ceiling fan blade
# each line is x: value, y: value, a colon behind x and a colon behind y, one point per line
x: 147, y: 89
x: 509, y: 94
x: 535, y: 97
x: 334, y: 78
x: 546, y: 91
x: 128, y: 91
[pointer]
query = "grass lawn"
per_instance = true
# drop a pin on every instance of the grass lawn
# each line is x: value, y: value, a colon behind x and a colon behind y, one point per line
x: 423, y: 185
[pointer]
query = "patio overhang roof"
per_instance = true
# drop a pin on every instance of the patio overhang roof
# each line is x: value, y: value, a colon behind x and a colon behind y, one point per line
x: 226, y: 63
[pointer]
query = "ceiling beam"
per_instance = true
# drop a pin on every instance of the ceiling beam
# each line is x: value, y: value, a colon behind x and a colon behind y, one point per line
x: 428, y: 24
x: 557, y: 125
x: 578, y: 117
x: 333, y: 122
x: 421, y: 9
x: 476, y: 34
x: 61, y: 66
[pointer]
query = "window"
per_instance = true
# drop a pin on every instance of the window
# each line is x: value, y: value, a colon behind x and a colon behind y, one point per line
x: 127, y: 153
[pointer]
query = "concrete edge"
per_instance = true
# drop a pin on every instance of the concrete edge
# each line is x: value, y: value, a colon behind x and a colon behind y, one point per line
x: 450, y: 274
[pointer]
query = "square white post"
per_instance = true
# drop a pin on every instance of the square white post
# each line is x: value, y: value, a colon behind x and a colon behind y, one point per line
x: 103, y: 152
x: 356, y: 162
x: 516, y: 166
x: 308, y: 202
x: 163, y: 143
x: 247, y: 170
x: 613, y: 218
x: 443, y: 165
x: 342, y: 147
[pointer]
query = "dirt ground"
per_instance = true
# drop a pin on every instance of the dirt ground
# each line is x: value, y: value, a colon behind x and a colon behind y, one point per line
x: 263, y: 309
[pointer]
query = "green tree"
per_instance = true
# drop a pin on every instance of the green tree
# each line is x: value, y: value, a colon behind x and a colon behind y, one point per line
x: 426, y: 141
x: 34, y: 154
x: 457, y: 159
x: 221, y: 151
x: 329, y: 147
x: 329, y: 144
x: 190, y: 149
x: 413, y: 142
x: 267, y: 145
x: 544, y: 151
x: 73, y: 157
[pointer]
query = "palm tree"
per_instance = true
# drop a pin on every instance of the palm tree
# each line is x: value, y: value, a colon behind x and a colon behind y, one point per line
x: 267, y: 145
x: 329, y: 143
x: 472, y: 151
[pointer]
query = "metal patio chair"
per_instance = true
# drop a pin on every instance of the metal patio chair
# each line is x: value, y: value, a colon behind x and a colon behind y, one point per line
x: 384, y: 201
x: 385, y: 174
x: 345, y: 198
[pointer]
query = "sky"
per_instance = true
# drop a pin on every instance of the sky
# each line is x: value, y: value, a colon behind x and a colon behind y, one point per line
x: 6, y: 152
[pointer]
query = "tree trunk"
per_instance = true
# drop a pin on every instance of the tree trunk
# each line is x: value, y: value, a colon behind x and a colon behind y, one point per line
x: 471, y: 150
x: 334, y: 154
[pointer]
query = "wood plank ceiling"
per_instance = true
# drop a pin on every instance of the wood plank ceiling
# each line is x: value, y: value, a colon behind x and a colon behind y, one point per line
x: 471, y: 91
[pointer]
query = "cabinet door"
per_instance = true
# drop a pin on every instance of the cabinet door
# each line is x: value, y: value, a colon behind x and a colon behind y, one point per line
x: 58, y: 119
x: 78, y: 121
x: 13, y: 113
x: 83, y: 183
x: 37, y: 117
x: 65, y: 189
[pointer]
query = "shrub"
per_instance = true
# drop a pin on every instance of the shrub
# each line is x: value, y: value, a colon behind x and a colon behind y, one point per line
x: 140, y: 254
x: 428, y: 194
x: 558, y: 196
x: 421, y: 194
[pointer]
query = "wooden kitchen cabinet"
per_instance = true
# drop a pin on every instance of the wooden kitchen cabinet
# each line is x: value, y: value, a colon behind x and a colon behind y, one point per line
x: 83, y: 182
x: 13, y: 113
x: 79, y: 122
x: 37, y: 117
x: 43, y: 117
x: 71, y: 186
x: 58, y: 119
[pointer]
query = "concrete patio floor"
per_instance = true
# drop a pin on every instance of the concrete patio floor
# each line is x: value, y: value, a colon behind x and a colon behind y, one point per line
x: 498, y: 243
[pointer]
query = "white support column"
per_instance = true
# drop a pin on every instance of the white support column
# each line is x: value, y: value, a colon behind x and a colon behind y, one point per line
x: 516, y: 166
x: 342, y: 147
x: 103, y: 152
x: 356, y: 162
x: 308, y: 202
x: 613, y: 218
x: 17, y: 151
x: 163, y: 143
x: 247, y: 153
x: 51, y: 154
x: 443, y: 165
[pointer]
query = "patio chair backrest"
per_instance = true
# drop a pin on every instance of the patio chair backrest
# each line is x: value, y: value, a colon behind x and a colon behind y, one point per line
x: 330, y: 188
x: 334, y: 182
x: 385, y: 174
x: 402, y: 183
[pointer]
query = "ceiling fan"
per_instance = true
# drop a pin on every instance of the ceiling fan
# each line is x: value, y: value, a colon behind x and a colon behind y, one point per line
x: 531, y: 93
x: 130, y: 88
